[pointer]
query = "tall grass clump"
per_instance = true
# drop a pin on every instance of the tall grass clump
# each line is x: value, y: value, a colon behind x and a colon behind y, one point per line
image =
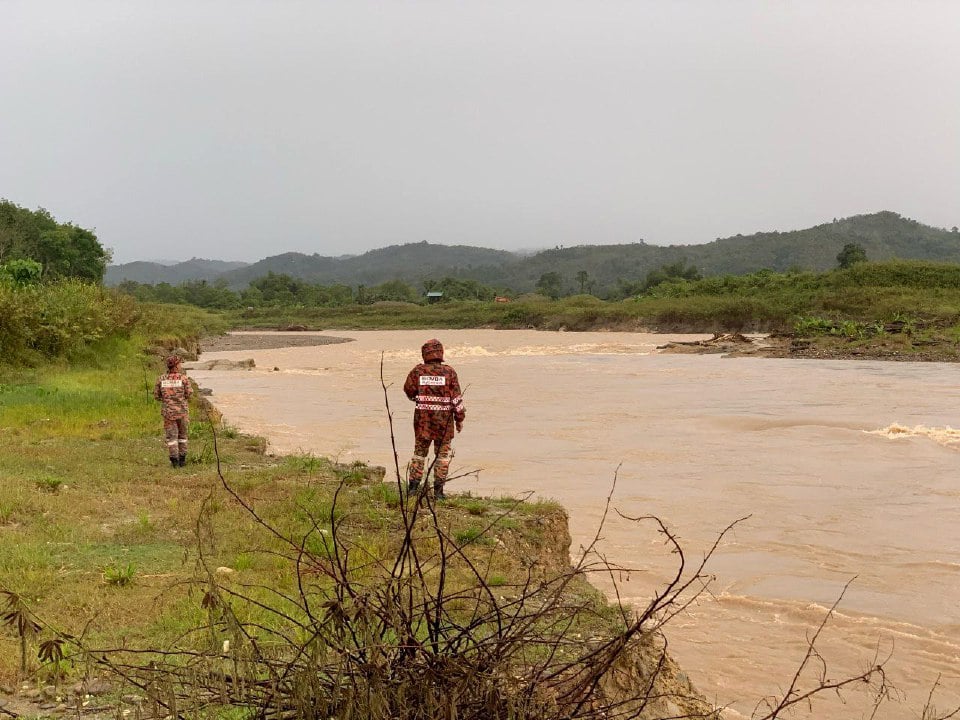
x: 49, y: 321
x: 176, y: 325
x: 901, y: 273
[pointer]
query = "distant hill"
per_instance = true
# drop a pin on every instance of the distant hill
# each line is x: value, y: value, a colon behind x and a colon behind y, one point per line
x: 154, y: 273
x: 884, y: 235
x: 412, y: 262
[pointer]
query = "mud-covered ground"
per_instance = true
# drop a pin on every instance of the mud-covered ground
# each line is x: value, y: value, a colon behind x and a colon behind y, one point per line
x: 900, y: 348
x: 266, y: 341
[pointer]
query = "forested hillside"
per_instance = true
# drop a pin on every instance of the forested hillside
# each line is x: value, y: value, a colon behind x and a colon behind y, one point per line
x: 883, y: 235
x: 412, y: 262
x: 606, y: 270
x: 152, y: 272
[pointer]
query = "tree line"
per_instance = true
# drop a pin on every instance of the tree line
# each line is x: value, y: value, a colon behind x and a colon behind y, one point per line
x: 283, y: 290
x: 34, y: 246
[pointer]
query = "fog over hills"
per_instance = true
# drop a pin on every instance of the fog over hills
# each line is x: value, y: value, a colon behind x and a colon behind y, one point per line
x: 883, y: 235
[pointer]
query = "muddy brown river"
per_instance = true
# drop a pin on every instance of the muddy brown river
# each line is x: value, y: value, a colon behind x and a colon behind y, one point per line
x: 846, y: 469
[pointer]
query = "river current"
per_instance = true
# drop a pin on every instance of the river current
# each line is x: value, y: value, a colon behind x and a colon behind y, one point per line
x: 845, y: 470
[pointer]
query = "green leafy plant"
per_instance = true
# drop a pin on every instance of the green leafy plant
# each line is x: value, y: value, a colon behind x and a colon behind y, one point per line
x: 49, y: 483
x: 473, y: 536
x: 474, y: 506
x: 120, y: 575
x: 355, y: 474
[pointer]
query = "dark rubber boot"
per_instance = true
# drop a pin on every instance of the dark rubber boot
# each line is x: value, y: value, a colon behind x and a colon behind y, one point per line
x: 182, y: 460
x: 174, y: 462
x: 413, y: 487
x: 438, y: 493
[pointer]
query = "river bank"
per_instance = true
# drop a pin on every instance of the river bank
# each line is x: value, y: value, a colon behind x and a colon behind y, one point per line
x: 114, y: 560
x: 897, y: 347
x: 820, y: 348
x: 700, y: 441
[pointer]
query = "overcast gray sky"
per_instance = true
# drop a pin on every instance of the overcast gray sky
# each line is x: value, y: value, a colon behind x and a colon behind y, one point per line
x: 242, y: 129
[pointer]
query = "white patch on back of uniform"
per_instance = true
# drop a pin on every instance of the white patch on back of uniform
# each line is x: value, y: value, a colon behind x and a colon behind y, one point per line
x: 433, y: 380
x: 171, y: 383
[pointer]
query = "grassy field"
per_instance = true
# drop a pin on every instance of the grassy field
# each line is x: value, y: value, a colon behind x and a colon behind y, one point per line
x: 100, y: 533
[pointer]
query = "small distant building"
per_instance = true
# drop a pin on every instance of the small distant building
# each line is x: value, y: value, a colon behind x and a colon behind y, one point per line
x: 434, y: 296
x: 501, y: 298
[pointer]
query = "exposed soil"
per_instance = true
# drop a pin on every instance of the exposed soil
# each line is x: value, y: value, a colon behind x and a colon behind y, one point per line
x: 271, y: 341
x: 839, y: 349
x: 826, y: 348
x: 899, y: 347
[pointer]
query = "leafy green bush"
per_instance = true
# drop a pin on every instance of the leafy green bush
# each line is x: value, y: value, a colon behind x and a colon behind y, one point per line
x: 21, y: 272
x: 120, y: 575
x: 64, y: 250
x: 172, y: 325
x: 901, y: 273
x: 58, y: 319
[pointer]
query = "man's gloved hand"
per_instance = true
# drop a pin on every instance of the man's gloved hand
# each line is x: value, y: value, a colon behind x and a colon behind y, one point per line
x: 459, y: 425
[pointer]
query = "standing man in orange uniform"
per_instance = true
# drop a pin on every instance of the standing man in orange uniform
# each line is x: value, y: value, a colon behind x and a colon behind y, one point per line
x: 435, y: 388
x: 173, y: 390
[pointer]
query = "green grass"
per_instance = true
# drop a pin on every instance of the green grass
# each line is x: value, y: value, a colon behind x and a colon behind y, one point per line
x: 120, y: 575
x: 101, y: 534
x: 474, y: 535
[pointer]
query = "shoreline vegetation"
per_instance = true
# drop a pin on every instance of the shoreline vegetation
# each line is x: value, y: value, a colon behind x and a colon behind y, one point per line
x: 246, y: 585
x: 131, y: 586
x: 897, y: 310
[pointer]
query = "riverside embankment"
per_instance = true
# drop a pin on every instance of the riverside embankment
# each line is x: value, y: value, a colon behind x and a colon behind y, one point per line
x: 114, y: 567
x: 846, y: 468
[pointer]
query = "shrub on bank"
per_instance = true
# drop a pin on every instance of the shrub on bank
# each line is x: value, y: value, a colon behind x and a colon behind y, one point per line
x: 901, y: 273
x: 177, y: 325
x: 58, y: 319
x: 62, y: 320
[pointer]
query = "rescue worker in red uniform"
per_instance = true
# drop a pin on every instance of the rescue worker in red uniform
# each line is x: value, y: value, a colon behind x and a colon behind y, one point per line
x: 435, y: 388
x: 173, y: 390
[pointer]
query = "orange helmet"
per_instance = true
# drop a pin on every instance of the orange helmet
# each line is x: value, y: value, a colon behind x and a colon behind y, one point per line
x: 432, y: 350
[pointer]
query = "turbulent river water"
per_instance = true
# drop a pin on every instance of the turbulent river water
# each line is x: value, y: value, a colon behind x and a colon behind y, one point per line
x: 846, y: 469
